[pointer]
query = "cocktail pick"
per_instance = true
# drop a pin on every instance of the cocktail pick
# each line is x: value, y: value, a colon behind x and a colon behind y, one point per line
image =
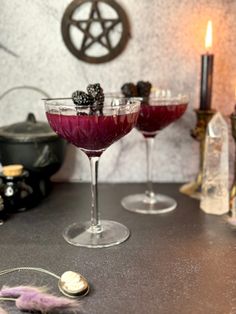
x: 71, y: 284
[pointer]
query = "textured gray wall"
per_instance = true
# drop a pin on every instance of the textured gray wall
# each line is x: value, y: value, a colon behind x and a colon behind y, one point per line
x: 167, y: 40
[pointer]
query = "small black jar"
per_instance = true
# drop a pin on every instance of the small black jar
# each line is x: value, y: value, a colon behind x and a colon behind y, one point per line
x: 16, y: 193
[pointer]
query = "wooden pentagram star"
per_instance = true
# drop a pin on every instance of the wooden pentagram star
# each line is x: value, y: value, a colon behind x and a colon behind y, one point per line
x: 91, y: 35
x: 107, y: 25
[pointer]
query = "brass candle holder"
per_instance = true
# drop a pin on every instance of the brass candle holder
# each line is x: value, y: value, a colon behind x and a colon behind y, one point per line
x: 194, y: 188
x: 233, y: 188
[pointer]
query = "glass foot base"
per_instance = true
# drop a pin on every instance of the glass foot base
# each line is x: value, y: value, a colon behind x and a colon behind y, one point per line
x: 111, y: 233
x: 140, y: 203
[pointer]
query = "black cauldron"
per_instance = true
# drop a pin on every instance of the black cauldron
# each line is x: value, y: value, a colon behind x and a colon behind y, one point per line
x: 34, y: 145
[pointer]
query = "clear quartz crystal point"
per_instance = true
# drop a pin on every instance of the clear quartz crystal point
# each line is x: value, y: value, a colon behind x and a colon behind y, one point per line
x: 215, y: 189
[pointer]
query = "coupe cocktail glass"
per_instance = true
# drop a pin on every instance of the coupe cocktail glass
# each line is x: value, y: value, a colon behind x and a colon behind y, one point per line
x: 156, y: 113
x: 93, y: 133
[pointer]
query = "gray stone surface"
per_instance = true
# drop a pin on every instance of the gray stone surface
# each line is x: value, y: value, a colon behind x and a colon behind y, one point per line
x: 165, y: 47
x: 181, y: 262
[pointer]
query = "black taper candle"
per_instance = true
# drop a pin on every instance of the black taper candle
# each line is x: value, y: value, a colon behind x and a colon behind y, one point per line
x: 206, y: 81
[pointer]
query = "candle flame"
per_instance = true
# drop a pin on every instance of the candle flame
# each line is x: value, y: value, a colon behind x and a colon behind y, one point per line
x: 208, y: 38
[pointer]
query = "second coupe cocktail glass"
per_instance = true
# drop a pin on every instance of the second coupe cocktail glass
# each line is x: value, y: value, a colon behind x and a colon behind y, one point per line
x: 93, y: 133
x: 156, y: 113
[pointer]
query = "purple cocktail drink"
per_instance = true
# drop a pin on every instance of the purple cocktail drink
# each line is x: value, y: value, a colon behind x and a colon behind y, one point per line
x: 156, y: 113
x: 92, y: 133
x: 153, y: 118
x: 92, y: 123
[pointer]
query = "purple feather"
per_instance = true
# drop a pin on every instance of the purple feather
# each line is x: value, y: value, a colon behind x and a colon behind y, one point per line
x: 2, y: 311
x: 15, y: 292
x: 43, y: 302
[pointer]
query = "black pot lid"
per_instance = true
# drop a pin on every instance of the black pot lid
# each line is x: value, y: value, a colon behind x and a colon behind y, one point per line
x: 29, y: 130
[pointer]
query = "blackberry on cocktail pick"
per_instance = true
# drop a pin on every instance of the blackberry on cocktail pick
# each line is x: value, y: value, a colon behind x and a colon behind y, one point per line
x: 96, y: 91
x: 144, y: 88
x: 129, y: 90
x: 96, y: 107
x: 82, y: 99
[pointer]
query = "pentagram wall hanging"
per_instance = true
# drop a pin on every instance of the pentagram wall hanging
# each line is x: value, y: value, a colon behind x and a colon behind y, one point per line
x: 95, y: 31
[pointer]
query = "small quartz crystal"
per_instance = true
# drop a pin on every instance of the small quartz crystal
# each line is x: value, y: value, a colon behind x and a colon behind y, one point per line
x: 215, y: 189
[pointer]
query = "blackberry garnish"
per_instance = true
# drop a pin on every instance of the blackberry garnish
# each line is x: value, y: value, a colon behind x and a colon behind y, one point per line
x: 96, y: 91
x: 95, y: 108
x: 80, y: 113
x: 144, y: 88
x: 94, y: 99
x: 129, y: 90
x: 82, y: 99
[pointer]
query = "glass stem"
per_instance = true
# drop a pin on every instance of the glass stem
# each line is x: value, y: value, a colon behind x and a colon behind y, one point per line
x: 95, y: 221
x: 149, y: 149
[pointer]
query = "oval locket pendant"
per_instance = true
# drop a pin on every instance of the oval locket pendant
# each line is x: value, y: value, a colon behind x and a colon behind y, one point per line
x: 73, y: 284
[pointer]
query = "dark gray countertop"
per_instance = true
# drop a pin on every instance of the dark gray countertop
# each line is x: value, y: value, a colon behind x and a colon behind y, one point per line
x: 181, y: 262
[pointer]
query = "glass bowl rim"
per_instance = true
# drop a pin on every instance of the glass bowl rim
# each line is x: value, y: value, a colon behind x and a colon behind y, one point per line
x: 177, y: 97
x: 106, y: 96
x: 53, y: 102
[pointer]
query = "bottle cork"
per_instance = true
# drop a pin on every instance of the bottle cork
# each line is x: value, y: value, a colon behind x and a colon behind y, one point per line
x: 12, y: 170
